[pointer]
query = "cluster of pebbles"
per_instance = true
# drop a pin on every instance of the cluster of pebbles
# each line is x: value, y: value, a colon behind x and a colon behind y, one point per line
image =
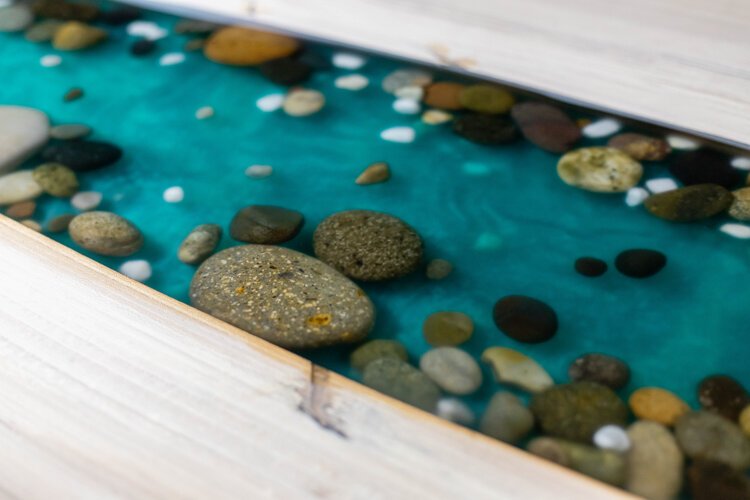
x: 650, y: 444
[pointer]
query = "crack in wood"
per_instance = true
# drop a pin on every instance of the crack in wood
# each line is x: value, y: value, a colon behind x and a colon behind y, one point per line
x: 316, y: 403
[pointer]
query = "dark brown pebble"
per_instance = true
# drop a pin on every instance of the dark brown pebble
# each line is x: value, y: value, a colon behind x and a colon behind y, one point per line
x: 546, y: 126
x: 66, y: 11
x: 601, y: 368
x: 723, y: 395
x: 485, y: 129
x: 120, y: 15
x: 641, y: 147
x: 710, y: 480
x: 525, y: 319
x: 690, y: 204
x: 73, y: 94
x: 640, y: 263
x: 444, y: 95
x: 21, y: 210
x: 705, y: 166
x: 286, y: 71
x: 266, y: 224
x: 60, y: 223
x: 142, y: 47
x: 590, y: 266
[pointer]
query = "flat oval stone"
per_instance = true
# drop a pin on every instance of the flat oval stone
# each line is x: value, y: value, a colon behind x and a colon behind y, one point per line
x: 506, y: 418
x: 590, y: 267
x: 723, y: 395
x: 286, y: 71
x: 601, y: 368
x: 640, y: 262
x: 199, y: 244
x: 266, y: 224
x: 706, y: 435
x: 105, y: 233
x: 709, y: 480
x: 444, y: 95
x: 21, y: 210
x: 740, y: 207
x: 598, y: 169
x: 546, y: 126
x: 69, y: 132
x: 15, y: 18
x: 18, y: 186
x: 576, y: 410
x: 75, y: 35
x: 447, y: 328
x: 367, y: 245
x: 376, y: 349
x: 690, y: 204
x: 408, y: 77
x: 23, y: 131
x: 525, y: 319
x: 486, y: 98
x: 402, y: 381
x: 56, y: 180
x: 641, y: 147
x: 654, y: 462
x: 485, y: 129
x: 603, y: 465
x: 705, y: 166
x: 452, y: 369
x: 515, y: 368
x: 240, y: 46
x: 658, y: 405
x: 283, y: 296
x: 82, y: 156
x: 303, y: 102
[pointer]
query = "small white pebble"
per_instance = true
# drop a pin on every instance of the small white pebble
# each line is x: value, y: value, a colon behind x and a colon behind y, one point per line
x: 351, y: 82
x: 737, y: 230
x: 50, y: 60
x: 612, y: 437
x: 436, y: 117
x: 741, y: 162
x: 661, y: 185
x: 258, y: 171
x: 147, y: 30
x: 398, y: 134
x: 139, y: 270
x: 635, y: 196
x: 204, y: 112
x: 347, y: 60
x: 456, y: 411
x: 86, y: 200
x: 488, y: 241
x: 601, y: 128
x: 410, y: 92
x: 270, y: 103
x: 406, y: 106
x: 171, y: 58
x: 680, y: 142
x: 174, y: 194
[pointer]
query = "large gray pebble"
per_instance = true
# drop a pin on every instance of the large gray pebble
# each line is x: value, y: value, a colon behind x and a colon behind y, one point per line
x: 706, y: 435
x: 15, y: 18
x: 402, y: 381
x: 18, y: 186
x: 23, y: 131
x: 105, y: 233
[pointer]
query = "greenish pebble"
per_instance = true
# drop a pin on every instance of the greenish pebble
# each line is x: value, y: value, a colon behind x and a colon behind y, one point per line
x: 199, y: 244
x: 402, y: 381
x: 654, y: 461
x: 42, y: 31
x: 690, y: 204
x: 105, y: 233
x: 452, y: 369
x: 604, y: 465
x: 377, y: 349
x: 599, y: 169
x: 69, y: 132
x: 485, y: 98
x: 506, y: 418
x: 56, y: 180
x: 706, y: 435
x: 447, y: 328
x: 576, y: 410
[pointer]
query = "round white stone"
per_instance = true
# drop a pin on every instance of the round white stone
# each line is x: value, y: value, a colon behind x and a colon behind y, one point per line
x: 347, y: 60
x: 204, y: 112
x: 406, y: 106
x: 398, y: 134
x: 22, y: 132
x: 683, y: 143
x: 139, y: 270
x: 270, y: 103
x: 86, y: 200
x: 352, y: 82
x: 174, y: 194
x: 661, y: 185
x: 737, y: 230
x: 50, y: 60
x: 18, y: 186
x: 258, y: 171
x: 741, y: 162
x: 410, y: 92
x: 147, y: 30
x: 601, y: 128
x: 635, y: 196
x: 456, y: 411
x: 612, y: 437
x: 171, y: 58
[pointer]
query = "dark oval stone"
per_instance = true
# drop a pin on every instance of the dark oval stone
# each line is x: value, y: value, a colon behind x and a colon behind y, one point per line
x: 640, y: 263
x: 485, y: 129
x: 142, y: 47
x: 690, y: 204
x: 546, y: 126
x: 525, y: 319
x: 120, y: 15
x: 711, y: 480
x: 286, y: 71
x: 590, y: 266
x: 595, y: 367
x: 723, y: 395
x: 705, y: 166
x: 266, y: 224
x: 66, y: 11
x: 82, y: 156
x: 73, y: 94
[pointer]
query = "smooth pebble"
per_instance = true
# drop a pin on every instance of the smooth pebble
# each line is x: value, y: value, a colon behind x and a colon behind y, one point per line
x: 601, y: 368
x: 259, y: 171
x: 69, y: 132
x: 657, y: 404
x: 612, y: 437
x: 740, y: 231
x: 15, y: 18
x: 515, y: 368
x: 438, y: 269
x: 599, y: 169
x: 682, y: 143
x: 436, y: 117
x: 303, y: 102
x: 741, y: 162
x: 376, y: 349
x: 199, y: 244
x: 661, y: 185
x: 374, y: 174
x: 402, y: 381
x: 690, y: 203
x: 347, y: 60
x: 410, y: 92
x: 105, y: 233
x: 455, y: 410
x: 270, y: 103
x: 139, y: 270
x: 601, y: 128
x: 706, y: 435
x: 23, y: 131
x: 266, y: 224
x: 406, y: 106
x: 506, y: 418
x: 452, y: 369
x: 640, y: 262
x: 18, y: 186
x: 351, y: 82
x: 50, y: 60
x: 636, y: 196
x: 654, y: 461
x: 447, y: 328
x: 146, y: 29
x: 398, y: 134
x: 525, y: 319
x: 86, y: 200
x: 174, y: 194
x: 603, y: 465
x: 407, y: 77
x: 171, y: 58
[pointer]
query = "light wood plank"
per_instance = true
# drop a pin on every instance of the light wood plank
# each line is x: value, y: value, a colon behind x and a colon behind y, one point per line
x: 112, y: 390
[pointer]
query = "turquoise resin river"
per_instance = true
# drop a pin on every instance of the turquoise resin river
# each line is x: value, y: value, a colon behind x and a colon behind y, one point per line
x: 500, y: 214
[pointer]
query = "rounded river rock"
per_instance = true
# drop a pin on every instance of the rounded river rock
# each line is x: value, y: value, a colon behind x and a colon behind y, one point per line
x: 402, y: 381
x: 598, y: 169
x: 689, y: 204
x: 105, y: 233
x: 266, y: 224
x: 525, y: 319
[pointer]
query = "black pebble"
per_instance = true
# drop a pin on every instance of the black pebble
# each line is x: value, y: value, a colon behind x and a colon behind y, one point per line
x: 525, y: 319
x: 82, y: 155
x: 315, y: 60
x: 640, y: 263
x: 485, y: 129
x: 723, y: 395
x: 590, y: 266
x: 705, y: 166
x: 286, y: 71
x: 142, y: 47
x: 120, y: 15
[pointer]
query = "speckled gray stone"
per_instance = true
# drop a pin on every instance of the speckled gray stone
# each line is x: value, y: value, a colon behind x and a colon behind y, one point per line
x: 452, y: 369
x: 105, y: 233
x: 506, y: 418
x: 706, y: 435
x: 376, y: 349
x: 199, y: 244
x: 266, y: 224
x: 368, y: 246
x: 402, y: 381
x: 283, y: 296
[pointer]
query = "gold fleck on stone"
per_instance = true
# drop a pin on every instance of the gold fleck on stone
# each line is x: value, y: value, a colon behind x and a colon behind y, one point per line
x: 322, y: 319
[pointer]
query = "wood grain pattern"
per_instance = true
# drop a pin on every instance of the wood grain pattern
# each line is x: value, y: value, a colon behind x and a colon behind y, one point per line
x: 684, y: 64
x: 113, y: 390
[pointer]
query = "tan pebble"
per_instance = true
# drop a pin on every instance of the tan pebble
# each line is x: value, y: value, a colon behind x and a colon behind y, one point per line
x: 514, y: 368
x: 239, y: 46
x: 438, y: 269
x: 21, y: 210
x: 303, y: 102
x: 444, y: 95
x: 654, y: 462
x: 436, y: 117
x: 740, y: 207
x: 641, y: 147
x: 75, y: 35
x: 598, y: 169
x: 745, y: 420
x: 374, y: 174
x: 32, y: 224
x: 659, y: 405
